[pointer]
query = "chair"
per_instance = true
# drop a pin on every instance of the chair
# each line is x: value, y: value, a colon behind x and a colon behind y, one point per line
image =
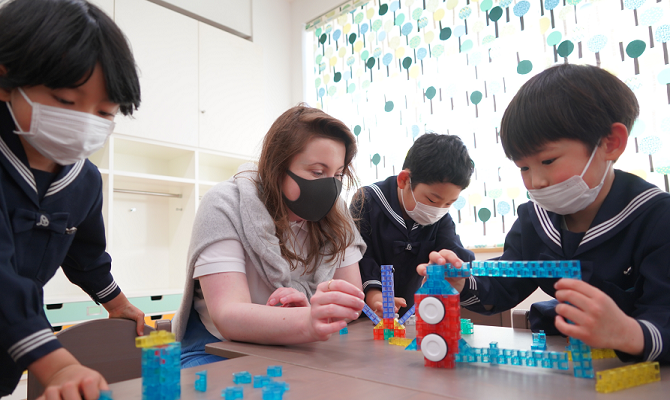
x: 520, y: 319
x: 105, y: 345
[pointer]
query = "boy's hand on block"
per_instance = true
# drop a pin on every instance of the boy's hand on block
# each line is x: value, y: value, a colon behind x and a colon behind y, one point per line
x: 64, y: 378
x: 334, y: 303
x: 120, y: 307
x: 288, y: 297
x: 598, y: 321
x: 378, y: 306
x: 443, y: 257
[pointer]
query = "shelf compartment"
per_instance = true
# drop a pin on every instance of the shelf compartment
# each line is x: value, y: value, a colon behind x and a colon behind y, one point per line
x: 146, y: 159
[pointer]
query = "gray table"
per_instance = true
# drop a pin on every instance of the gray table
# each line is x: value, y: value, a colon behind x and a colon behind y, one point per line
x: 357, y: 355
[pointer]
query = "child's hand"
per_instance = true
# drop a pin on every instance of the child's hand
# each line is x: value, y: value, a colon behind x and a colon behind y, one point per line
x: 379, y: 306
x: 288, y: 297
x: 120, y: 307
x: 598, y: 321
x: 75, y: 382
x: 444, y: 256
x: 334, y: 303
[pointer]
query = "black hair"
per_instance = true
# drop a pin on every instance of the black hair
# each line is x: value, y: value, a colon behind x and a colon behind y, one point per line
x: 567, y: 101
x: 435, y: 158
x: 57, y: 43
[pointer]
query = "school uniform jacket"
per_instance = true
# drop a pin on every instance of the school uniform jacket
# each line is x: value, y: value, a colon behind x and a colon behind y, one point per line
x: 37, y: 235
x: 392, y: 240
x: 625, y: 253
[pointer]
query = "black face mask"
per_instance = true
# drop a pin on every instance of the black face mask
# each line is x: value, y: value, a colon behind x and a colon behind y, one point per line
x: 317, y: 197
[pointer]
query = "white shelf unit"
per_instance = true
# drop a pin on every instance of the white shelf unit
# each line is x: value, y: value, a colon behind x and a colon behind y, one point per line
x: 151, y: 193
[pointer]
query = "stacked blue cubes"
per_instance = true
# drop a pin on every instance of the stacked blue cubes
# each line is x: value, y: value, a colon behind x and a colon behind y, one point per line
x: 388, y: 293
x: 161, y: 372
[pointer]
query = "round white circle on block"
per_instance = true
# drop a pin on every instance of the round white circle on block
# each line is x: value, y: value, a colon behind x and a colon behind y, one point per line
x: 433, y: 347
x: 431, y: 310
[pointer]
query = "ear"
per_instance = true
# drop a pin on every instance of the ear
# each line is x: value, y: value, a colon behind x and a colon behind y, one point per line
x: 403, y: 178
x: 4, y: 93
x: 615, y: 143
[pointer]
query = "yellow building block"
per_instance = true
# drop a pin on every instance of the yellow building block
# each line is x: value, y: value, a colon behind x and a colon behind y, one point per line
x: 155, y: 338
x: 611, y: 380
x: 404, y: 342
x: 598, y: 354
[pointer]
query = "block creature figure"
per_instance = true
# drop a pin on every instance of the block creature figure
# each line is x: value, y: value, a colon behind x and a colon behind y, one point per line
x: 161, y: 366
x: 438, y: 320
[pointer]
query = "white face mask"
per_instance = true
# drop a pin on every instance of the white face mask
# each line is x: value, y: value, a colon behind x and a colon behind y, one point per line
x: 423, y: 214
x: 64, y: 136
x: 569, y: 196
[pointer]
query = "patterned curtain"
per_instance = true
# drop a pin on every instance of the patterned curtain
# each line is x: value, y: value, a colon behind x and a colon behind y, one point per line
x: 393, y: 70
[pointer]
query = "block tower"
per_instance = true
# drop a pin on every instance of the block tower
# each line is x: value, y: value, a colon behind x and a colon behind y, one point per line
x: 388, y: 327
x: 438, y: 322
x: 161, y: 366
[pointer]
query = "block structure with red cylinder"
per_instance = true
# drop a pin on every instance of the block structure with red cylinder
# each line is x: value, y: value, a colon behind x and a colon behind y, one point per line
x: 438, y: 319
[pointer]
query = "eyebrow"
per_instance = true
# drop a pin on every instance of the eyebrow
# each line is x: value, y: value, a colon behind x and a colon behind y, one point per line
x: 324, y: 165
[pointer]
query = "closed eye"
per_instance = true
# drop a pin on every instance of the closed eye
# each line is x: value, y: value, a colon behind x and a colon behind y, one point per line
x: 547, y: 162
x: 63, y: 101
x: 523, y: 169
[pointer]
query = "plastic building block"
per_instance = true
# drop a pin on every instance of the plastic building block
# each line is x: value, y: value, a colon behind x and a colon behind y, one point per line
x: 581, y: 359
x: 407, y: 315
x: 275, y: 390
x: 344, y: 331
x: 404, y: 342
x: 598, y: 354
x: 611, y: 380
x: 467, y: 327
x: 105, y: 395
x: 161, y: 372
x: 412, y: 346
x: 241, y: 377
x: 155, y: 338
x: 275, y: 371
x: 388, y: 299
x: 539, y: 341
x: 201, y: 381
x: 261, y: 380
x: 371, y: 314
x: 496, y: 356
x: 233, y: 393
x: 517, y: 269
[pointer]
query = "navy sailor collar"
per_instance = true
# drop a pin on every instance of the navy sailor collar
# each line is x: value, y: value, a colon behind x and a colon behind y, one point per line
x: 629, y: 197
x: 13, y: 158
x: 386, y: 196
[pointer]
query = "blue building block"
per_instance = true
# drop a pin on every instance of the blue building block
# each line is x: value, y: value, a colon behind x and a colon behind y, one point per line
x: 261, y: 381
x: 388, y: 299
x: 517, y: 269
x: 407, y: 315
x: 233, y: 393
x: 539, y: 341
x: 201, y: 381
x: 105, y: 395
x: 412, y: 346
x: 275, y: 390
x: 496, y: 356
x: 581, y: 359
x: 435, y: 283
x: 344, y: 331
x: 241, y: 377
x: 161, y: 372
x: 371, y: 314
x: 275, y: 371
x: 467, y: 327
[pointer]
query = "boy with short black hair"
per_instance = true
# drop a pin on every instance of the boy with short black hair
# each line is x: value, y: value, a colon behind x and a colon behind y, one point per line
x: 405, y: 217
x: 564, y: 129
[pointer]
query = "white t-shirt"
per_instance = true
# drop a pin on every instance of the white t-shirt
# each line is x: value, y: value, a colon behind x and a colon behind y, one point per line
x: 229, y: 256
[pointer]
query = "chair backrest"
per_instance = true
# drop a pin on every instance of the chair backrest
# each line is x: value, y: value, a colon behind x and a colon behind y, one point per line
x: 105, y: 345
x: 520, y: 319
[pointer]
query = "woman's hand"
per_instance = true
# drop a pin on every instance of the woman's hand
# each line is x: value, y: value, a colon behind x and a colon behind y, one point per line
x: 442, y: 257
x: 334, y: 302
x: 288, y: 297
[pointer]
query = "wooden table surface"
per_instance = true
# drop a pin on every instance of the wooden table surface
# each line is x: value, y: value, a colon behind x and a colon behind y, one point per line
x: 357, y: 356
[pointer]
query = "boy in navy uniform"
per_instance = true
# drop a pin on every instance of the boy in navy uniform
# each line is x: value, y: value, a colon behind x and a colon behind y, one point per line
x: 65, y: 72
x: 405, y: 217
x: 564, y: 129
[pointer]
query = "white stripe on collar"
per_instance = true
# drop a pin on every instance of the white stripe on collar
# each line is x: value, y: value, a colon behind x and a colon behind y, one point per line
x: 62, y: 183
x: 656, y: 340
x: 608, y: 225
x: 547, y: 226
x: 386, y: 204
x: 20, y: 167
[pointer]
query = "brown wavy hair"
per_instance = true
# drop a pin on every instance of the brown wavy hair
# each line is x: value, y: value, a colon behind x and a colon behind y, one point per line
x: 287, y: 137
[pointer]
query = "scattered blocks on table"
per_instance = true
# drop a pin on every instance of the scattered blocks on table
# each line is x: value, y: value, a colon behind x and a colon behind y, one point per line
x: 201, y: 381
x: 275, y: 371
x: 261, y: 380
x: 155, y: 338
x: 539, y: 341
x: 344, y: 331
x: 241, y: 377
x: 467, y: 327
x: 161, y: 372
x: 275, y: 390
x: 611, y: 380
x: 105, y: 395
x: 233, y: 393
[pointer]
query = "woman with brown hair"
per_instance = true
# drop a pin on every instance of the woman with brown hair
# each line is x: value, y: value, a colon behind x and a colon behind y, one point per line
x: 274, y: 252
